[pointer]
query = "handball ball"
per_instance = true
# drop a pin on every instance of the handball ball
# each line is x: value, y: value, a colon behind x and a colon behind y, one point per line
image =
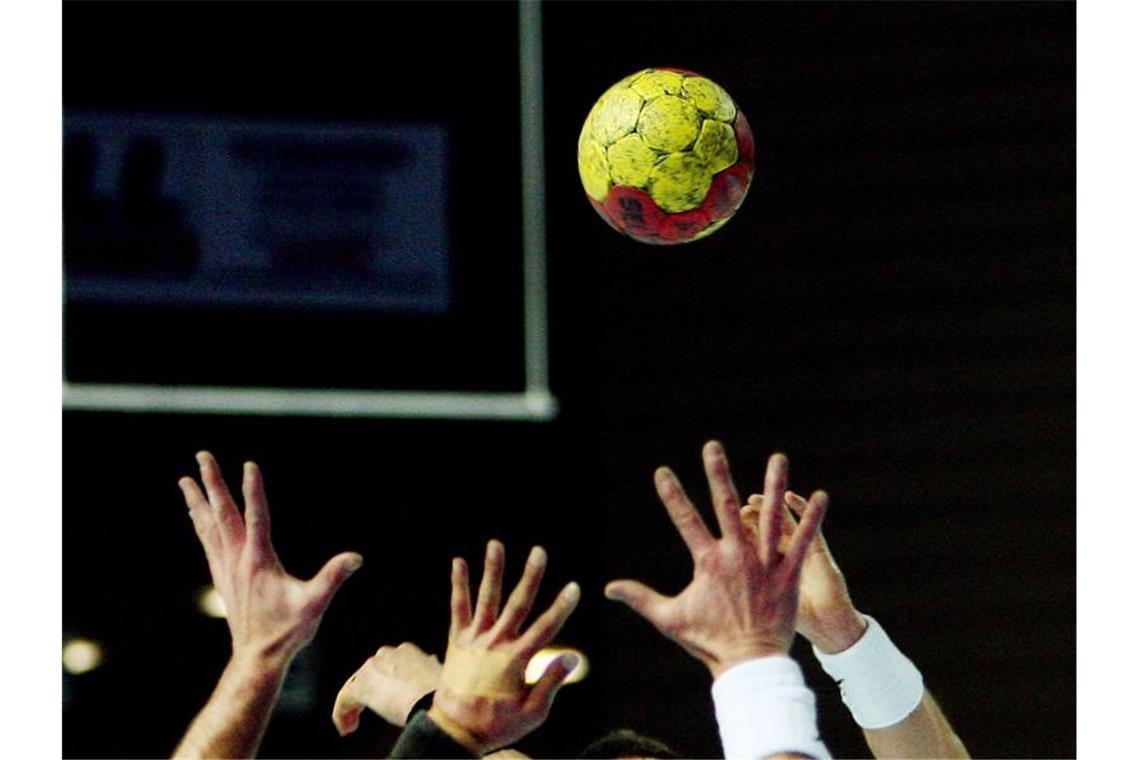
x: 665, y: 156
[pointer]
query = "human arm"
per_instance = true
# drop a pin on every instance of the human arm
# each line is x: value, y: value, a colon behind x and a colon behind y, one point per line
x: 899, y: 717
x: 737, y: 615
x: 389, y: 683
x: 483, y: 701
x: 271, y: 615
x: 924, y: 733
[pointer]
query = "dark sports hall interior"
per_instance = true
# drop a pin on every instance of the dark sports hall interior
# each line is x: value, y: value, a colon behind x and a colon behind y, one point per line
x: 893, y: 307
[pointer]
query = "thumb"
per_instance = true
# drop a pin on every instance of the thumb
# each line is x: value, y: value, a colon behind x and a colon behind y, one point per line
x: 541, y: 696
x: 638, y: 597
x: 330, y: 577
x: 346, y: 711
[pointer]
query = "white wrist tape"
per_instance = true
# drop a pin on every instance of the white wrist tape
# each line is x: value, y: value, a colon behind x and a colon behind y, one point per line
x: 879, y: 684
x: 763, y: 707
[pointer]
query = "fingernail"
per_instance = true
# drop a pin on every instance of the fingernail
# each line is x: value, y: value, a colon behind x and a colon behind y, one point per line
x: 202, y: 457
x: 355, y: 562
x: 569, y: 661
x: 572, y: 592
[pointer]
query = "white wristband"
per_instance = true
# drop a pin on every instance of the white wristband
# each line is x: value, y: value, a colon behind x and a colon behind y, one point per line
x: 879, y: 684
x: 763, y: 708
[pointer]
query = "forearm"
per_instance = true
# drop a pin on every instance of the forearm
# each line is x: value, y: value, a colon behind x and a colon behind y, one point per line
x: 887, y: 698
x: 923, y: 733
x: 234, y: 719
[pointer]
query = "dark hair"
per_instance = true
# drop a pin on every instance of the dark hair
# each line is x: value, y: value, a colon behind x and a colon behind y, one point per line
x: 626, y: 743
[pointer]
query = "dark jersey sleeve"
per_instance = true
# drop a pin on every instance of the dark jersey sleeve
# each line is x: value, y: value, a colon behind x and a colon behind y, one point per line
x: 422, y: 738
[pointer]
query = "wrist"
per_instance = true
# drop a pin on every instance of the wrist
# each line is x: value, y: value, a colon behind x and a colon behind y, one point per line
x: 878, y: 683
x: 840, y: 634
x: 720, y: 665
x: 456, y: 731
x: 259, y: 663
x: 764, y: 709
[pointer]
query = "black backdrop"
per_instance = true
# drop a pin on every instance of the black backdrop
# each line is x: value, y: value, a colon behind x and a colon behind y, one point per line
x: 893, y: 307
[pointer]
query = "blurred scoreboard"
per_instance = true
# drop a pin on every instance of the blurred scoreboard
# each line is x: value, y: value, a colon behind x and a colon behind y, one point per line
x: 221, y: 212
x: 342, y: 217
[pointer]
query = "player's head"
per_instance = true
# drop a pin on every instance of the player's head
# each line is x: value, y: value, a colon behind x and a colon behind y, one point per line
x: 624, y: 743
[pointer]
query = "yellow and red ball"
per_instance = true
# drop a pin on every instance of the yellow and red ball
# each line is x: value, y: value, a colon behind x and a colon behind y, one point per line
x: 666, y: 156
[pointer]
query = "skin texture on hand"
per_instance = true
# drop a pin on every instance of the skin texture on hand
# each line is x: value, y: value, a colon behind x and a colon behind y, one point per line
x: 269, y: 612
x: 483, y: 701
x: 829, y: 620
x: 389, y: 683
x: 741, y: 603
x: 826, y: 616
x: 271, y: 615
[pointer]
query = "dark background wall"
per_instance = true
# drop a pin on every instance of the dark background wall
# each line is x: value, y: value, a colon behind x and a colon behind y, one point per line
x: 893, y: 307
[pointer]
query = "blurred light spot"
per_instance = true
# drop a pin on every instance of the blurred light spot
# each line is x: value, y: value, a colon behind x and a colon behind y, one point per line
x: 210, y: 602
x: 81, y: 655
x: 543, y: 657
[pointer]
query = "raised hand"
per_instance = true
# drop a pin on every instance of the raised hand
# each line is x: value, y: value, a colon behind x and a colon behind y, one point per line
x: 270, y: 613
x: 741, y: 603
x: 826, y: 617
x: 483, y: 701
x: 389, y: 683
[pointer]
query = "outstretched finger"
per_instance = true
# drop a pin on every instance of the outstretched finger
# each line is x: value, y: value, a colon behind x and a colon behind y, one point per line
x: 807, y: 530
x: 328, y: 580
x: 230, y: 524
x: 798, y: 504
x: 490, y: 587
x: 256, y: 511
x: 750, y: 518
x: 205, y: 526
x: 549, y: 623
x: 682, y: 512
x: 639, y: 598
x: 460, y: 597
x: 772, y: 508
x: 521, y: 600
x: 750, y: 514
x: 348, y: 707
x: 726, y: 501
x: 541, y: 696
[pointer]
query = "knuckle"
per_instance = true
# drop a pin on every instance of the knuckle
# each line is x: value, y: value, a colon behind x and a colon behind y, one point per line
x: 706, y: 559
x: 686, y: 519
